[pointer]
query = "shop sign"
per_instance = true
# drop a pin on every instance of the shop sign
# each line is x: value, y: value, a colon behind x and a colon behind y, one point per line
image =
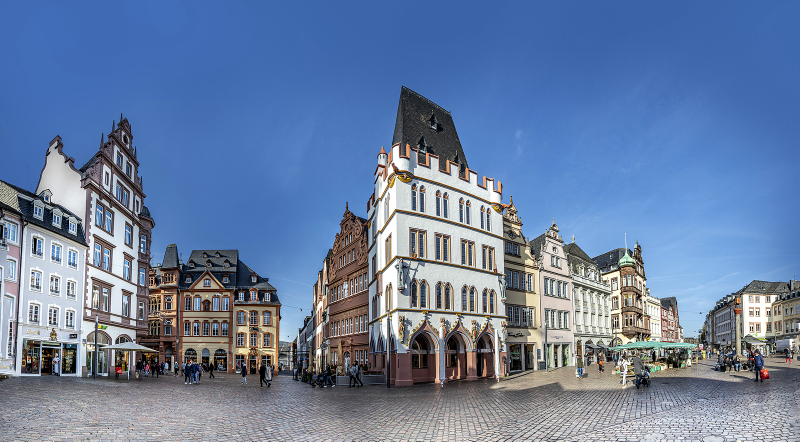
x: 33, y: 332
x: 255, y: 329
x: 73, y: 336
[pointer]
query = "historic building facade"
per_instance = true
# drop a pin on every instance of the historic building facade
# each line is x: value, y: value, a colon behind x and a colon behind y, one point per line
x: 757, y: 300
x: 108, y: 193
x: 53, y: 263
x: 592, y: 304
x: 653, y: 310
x: 164, y: 308
x: 348, y: 294
x: 556, y: 298
x: 522, y: 296
x: 320, y: 355
x: 626, y: 275
x: 11, y: 228
x: 257, y: 311
x: 669, y: 320
x: 437, y: 291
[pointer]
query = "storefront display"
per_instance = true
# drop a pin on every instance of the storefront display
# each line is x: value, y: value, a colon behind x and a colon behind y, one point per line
x: 516, y: 357
x: 31, y: 355
x: 68, y: 359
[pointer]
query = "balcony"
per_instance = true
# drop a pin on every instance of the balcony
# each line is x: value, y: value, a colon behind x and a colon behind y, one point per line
x: 630, y: 289
x: 633, y: 331
x: 632, y: 309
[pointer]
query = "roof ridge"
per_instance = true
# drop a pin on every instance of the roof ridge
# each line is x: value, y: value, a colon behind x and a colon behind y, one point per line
x: 426, y: 99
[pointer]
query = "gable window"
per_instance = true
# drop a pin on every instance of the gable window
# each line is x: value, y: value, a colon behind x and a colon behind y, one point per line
x: 119, y: 160
x: 207, y: 283
x: 128, y: 169
x: 55, y: 253
x: 253, y: 278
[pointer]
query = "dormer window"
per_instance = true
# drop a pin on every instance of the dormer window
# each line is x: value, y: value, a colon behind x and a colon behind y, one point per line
x: 191, y: 264
x: 253, y: 278
x: 225, y: 279
x: 73, y: 227
x: 208, y: 263
x: 205, y: 255
x: 38, y: 211
x: 267, y: 296
x: 217, y: 254
x: 57, y: 220
x: 189, y: 278
x: 241, y: 296
x: 227, y: 263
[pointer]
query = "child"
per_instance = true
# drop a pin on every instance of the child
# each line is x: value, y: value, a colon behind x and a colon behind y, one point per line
x: 600, y: 365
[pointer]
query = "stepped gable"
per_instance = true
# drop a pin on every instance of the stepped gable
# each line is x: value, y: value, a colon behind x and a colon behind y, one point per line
x: 423, y: 124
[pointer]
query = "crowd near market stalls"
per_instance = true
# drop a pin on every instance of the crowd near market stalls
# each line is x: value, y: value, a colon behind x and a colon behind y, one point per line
x: 663, y: 355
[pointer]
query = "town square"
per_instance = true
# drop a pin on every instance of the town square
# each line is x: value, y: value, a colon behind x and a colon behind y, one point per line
x: 399, y: 221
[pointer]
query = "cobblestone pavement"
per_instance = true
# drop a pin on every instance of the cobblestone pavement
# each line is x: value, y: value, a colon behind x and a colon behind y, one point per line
x: 693, y: 404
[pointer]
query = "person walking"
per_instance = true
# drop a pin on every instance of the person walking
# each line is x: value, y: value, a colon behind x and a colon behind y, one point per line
x: 262, y: 373
x: 638, y: 367
x: 328, y: 378
x: 244, y: 374
x: 788, y: 355
x: 623, y: 363
x: 354, y: 373
x: 758, y: 361
x: 579, y: 364
x: 186, y: 375
x: 139, y: 370
x: 211, y: 371
x: 268, y: 376
x: 600, y: 365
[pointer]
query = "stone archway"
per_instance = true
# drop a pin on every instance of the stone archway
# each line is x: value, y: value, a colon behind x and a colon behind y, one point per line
x: 424, y: 357
x: 485, y: 356
x: 455, y: 350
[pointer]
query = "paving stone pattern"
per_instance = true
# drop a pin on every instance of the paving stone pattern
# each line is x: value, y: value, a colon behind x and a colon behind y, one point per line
x: 693, y: 404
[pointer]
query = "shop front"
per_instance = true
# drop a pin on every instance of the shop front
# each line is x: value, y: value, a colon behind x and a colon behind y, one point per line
x: 190, y: 355
x: 43, y: 355
x: 102, y: 363
x: 221, y: 360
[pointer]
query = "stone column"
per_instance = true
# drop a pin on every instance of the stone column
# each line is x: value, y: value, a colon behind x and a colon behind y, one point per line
x: 441, y: 358
x: 738, y: 312
x: 472, y: 365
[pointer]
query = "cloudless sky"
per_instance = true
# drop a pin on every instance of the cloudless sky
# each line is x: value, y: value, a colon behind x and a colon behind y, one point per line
x: 676, y: 123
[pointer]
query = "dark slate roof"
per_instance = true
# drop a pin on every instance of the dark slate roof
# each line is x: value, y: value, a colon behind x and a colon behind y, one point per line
x: 145, y: 212
x: 170, y: 257
x: 573, y: 250
x: 11, y: 195
x: 608, y: 259
x: 666, y: 302
x: 243, y: 277
x: 536, y: 245
x: 91, y: 161
x: 767, y: 288
x: 414, y: 123
x: 217, y: 269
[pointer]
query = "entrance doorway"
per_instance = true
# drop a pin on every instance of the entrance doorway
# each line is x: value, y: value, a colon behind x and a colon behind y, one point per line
x: 253, y: 364
x: 206, y: 358
x: 48, y: 353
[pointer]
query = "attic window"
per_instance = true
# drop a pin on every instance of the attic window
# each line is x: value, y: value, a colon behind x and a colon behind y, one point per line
x: 253, y: 278
x: 38, y: 211
x: 125, y: 138
x: 46, y: 198
x: 207, y: 283
x: 208, y: 263
x: 205, y: 255
x: 73, y: 227
x: 225, y: 279
x: 217, y: 254
x: 191, y: 264
x: 57, y: 220
x: 227, y: 264
x: 189, y: 278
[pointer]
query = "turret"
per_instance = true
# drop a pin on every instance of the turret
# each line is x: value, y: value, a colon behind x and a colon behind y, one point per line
x: 383, y: 158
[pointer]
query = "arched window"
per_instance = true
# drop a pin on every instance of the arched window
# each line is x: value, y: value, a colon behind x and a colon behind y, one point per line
x: 414, y: 294
x: 447, y: 304
x: 414, y: 197
x: 445, y: 204
x: 461, y: 210
x: 488, y: 220
x: 482, y: 217
x: 485, y: 301
x: 464, y: 298
x: 491, y: 302
x: 206, y: 305
x: 438, y: 203
x: 423, y: 294
x: 422, y: 199
x: 469, y: 209
x: 439, y: 296
x: 472, y: 299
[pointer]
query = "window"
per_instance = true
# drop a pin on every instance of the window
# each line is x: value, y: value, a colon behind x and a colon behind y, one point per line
x: 442, y: 252
x: 126, y: 306
x: 207, y: 283
x: 128, y: 168
x: 119, y: 160
x: 482, y: 211
x: 38, y: 211
x: 224, y: 329
x: 225, y: 304
x: 225, y: 279
x: 438, y: 203
x: 33, y: 314
x: 128, y: 235
x: 267, y: 318
x: 464, y: 299
x: 467, y: 253
x: 485, y: 301
x: 206, y: 328
x: 468, y: 212
x: 241, y: 296
x: 10, y: 232
x: 439, y: 296
x: 70, y: 319
x: 186, y: 329
x: 388, y: 249
x: 72, y: 258
x: 12, y: 269
x: 613, y: 283
x: 141, y: 310
x: 461, y: 210
x: 417, y: 243
x: 106, y: 260
x: 253, y: 278
x: 71, y: 289
x: 240, y: 339
x: 267, y: 340
x: 414, y: 197
x: 253, y: 339
x: 488, y: 220
x: 55, y: 285
x: 197, y: 304
x: 422, y: 199
x: 196, y: 329
x: 126, y: 270
x: 240, y: 318
x: 414, y: 294
x: 37, y: 245
x: 143, y: 244
x: 472, y: 299
x: 447, y: 304
x: 254, y: 318
x: 487, y: 255
x: 491, y: 302
x: 36, y: 280
x: 57, y: 220
x: 445, y: 202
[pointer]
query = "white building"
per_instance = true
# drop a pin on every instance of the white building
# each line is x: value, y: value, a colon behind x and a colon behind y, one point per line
x: 653, y: 309
x: 435, y: 231
x: 109, y: 193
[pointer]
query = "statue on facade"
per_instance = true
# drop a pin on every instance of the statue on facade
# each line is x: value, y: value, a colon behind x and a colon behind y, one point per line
x: 503, y: 285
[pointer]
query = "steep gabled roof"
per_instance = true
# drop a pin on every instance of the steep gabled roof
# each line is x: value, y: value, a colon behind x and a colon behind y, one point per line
x: 606, y: 260
x: 415, y: 115
x: 670, y: 301
x: 170, y: 257
x: 573, y: 250
x: 766, y: 288
x: 22, y: 201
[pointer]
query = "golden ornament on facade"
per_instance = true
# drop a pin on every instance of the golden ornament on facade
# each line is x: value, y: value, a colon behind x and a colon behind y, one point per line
x: 53, y: 335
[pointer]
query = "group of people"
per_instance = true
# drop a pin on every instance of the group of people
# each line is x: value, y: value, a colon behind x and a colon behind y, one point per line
x: 264, y: 373
x: 789, y: 355
x: 147, y: 368
x: 192, y: 372
x: 731, y: 361
x: 638, y: 370
x: 326, y: 376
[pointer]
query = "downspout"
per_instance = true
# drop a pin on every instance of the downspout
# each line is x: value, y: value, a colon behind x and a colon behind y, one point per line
x: 19, y: 284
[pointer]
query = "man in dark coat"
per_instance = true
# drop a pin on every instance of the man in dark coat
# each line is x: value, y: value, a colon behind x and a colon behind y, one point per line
x: 758, y: 361
x: 262, y: 372
x: 638, y: 366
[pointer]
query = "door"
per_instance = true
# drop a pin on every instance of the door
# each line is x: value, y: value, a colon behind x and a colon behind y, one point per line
x: 253, y: 365
x: 47, y: 360
x: 480, y: 363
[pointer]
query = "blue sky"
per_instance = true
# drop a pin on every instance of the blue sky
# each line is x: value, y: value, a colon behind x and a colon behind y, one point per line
x: 676, y: 123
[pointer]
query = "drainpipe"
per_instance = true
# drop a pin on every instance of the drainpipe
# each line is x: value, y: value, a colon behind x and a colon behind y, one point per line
x: 19, y: 284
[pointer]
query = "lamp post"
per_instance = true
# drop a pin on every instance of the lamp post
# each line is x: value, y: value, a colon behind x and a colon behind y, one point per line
x: 737, y: 310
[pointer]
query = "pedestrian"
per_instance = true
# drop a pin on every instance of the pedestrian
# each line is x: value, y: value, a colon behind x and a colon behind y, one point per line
x: 624, y: 368
x: 262, y: 373
x: 758, y: 360
x: 638, y: 366
x: 139, y: 370
x: 600, y: 365
x: 358, y: 375
x: 354, y: 375
x: 211, y: 371
x: 788, y: 355
x: 268, y: 375
x: 56, y: 368
x: 177, y: 369
x: 328, y: 377
x: 737, y: 363
x: 580, y: 367
x: 244, y: 374
x: 294, y: 373
x: 157, y: 369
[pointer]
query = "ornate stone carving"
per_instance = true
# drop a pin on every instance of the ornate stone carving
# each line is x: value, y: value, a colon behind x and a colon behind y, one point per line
x: 401, y: 328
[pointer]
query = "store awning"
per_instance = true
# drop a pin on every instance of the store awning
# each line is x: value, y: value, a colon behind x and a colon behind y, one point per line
x: 130, y: 346
x: 592, y: 346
